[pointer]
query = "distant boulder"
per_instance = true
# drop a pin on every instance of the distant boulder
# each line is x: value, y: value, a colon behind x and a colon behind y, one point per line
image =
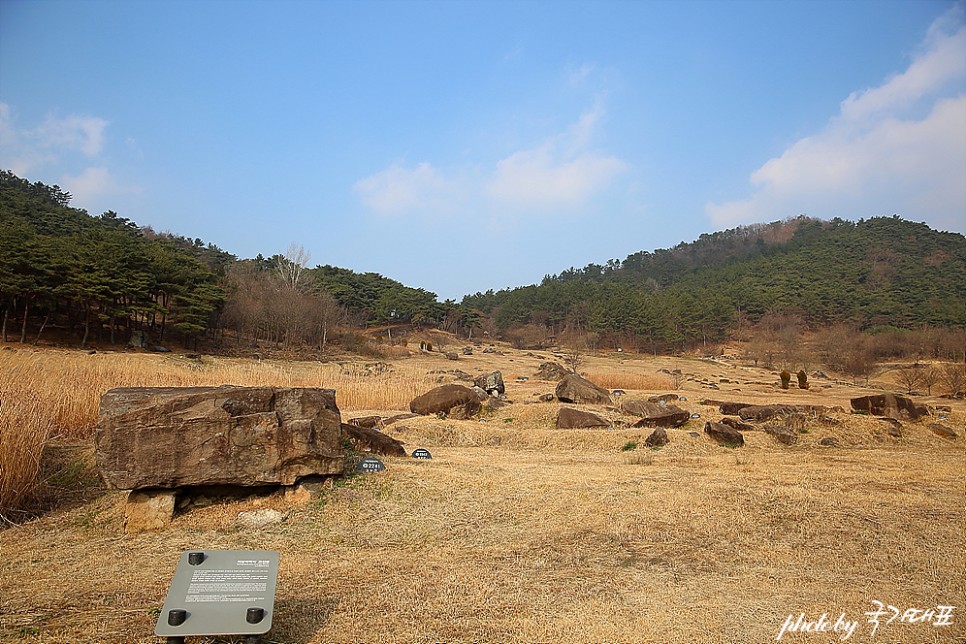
x: 784, y: 435
x: 737, y: 424
x: 941, y: 430
x: 890, y: 405
x: 367, y: 422
x: 765, y: 412
x: 658, y: 438
x: 574, y: 389
x: 724, y: 435
x: 491, y: 383
x: 456, y: 401
x: 369, y: 440
x: 656, y: 415
x: 551, y: 371
x: 569, y: 418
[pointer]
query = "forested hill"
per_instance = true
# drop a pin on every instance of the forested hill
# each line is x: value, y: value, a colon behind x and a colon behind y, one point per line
x: 883, y: 271
x: 107, y: 279
x: 104, y: 277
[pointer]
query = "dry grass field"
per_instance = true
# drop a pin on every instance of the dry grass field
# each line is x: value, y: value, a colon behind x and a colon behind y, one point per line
x: 514, y: 531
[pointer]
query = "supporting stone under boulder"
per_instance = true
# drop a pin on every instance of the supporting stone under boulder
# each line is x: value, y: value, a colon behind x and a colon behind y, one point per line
x: 172, y: 437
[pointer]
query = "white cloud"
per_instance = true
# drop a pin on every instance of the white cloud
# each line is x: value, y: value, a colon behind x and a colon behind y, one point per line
x: 84, y: 134
x: 399, y: 190
x: 90, y: 185
x: 561, y: 173
x: 896, y: 148
x: 23, y: 150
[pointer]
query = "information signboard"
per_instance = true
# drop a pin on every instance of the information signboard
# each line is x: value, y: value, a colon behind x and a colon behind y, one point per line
x: 220, y: 592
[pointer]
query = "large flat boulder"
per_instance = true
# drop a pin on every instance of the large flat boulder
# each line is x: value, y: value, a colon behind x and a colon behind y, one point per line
x: 724, y: 435
x: 372, y: 441
x: 456, y: 401
x: 656, y: 414
x: 890, y: 405
x: 169, y: 437
x: 574, y: 389
x: 569, y: 418
x: 766, y: 412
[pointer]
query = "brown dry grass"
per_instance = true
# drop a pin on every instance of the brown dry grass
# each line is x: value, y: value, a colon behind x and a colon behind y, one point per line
x: 48, y: 394
x: 519, y: 532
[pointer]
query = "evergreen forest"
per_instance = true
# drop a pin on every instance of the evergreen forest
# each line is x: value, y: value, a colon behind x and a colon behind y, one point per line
x: 77, y: 279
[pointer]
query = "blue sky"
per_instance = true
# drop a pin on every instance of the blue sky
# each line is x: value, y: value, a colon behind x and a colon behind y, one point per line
x: 461, y: 146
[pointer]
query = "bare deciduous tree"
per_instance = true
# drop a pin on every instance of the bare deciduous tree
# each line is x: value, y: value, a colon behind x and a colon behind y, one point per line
x: 953, y: 377
x: 929, y: 377
x: 909, y: 378
x: 291, y: 266
x: 574, y: 345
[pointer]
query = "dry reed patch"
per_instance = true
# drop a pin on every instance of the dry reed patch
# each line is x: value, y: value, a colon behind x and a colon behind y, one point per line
x: 54, y: 393
x: 614, y: 378
x: 484, y: 544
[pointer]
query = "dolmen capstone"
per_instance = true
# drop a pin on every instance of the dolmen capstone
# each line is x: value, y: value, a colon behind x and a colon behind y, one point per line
x: 890, y: 405
x: 574, y: 389
x: 654, y: 414
x: 169, y: 437
x: 455, y: 401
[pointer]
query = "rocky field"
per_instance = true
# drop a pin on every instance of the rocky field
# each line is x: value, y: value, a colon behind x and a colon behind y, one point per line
x: 518, y: 531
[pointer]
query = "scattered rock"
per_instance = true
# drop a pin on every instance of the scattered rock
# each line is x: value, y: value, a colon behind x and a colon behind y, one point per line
x: 372, y: 441
x: 656, y: 415
x: 551, y: 371
x: 658, y: 438
x: 663, y: 398
x: 367, y: 422
x: 467, y: 351
x: 728, y: 408
x: 456, y: 401
x: 260, y: 518
x: 397, y: 418
x: 941, y: 430
x: 892, y: 427
x: 737, y: 424
x: 785, y: 435
x: 829, y: 441
x: 491, y: 383
x: 480, y: 393
x: 169, y: 437
x: 545, y: 398
x: 570, y: 418
x: 574, y: 389
x: 890, y: 405
x: 149, y: 510
x: 452, y: 355
x: 724, y: 435
x: 765, y: 412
